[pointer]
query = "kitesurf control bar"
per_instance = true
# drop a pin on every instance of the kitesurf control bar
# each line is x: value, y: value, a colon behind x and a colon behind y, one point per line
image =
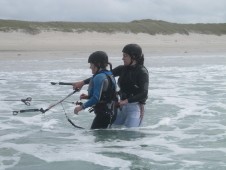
x: 45, y: 110
x: 27, y: 110
x: 28, y: 100
x: 61, y: 83
x: 51, y: 106
x: 25, y: 101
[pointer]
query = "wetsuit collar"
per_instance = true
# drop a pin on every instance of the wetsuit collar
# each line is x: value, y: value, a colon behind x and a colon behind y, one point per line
x: 100, y: 71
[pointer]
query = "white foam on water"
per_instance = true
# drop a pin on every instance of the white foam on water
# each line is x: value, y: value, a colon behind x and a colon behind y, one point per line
x: 49, y: 124
x: 163, y: 122
x: 29, y: 121
x: 60, y: 153
x: 14, y: 136
x: 184, y: 118
x: 9, y: 161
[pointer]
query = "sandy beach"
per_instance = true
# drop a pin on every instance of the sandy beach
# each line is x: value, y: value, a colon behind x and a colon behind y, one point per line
x: 17, y: 45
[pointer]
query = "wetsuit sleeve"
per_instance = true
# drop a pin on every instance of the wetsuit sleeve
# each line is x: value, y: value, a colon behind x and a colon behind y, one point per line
x: 98, y: 82
x: 86, y: 81
x: 143, y: 83
x: 117, y: 71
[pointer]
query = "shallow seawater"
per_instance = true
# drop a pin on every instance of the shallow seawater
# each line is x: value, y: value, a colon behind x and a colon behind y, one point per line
x: 184, y: 125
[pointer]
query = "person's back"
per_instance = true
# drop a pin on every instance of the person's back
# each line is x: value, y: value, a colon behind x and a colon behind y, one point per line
x: 102, y: 88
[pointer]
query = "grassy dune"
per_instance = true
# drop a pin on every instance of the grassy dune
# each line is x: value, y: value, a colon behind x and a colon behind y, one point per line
x: 138, y: 26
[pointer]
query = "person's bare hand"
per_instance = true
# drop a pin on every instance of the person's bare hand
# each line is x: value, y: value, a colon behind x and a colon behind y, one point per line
x: 123, y: 102
x: 77, y: 109
x: 78, y: 85
x: 83, y: 96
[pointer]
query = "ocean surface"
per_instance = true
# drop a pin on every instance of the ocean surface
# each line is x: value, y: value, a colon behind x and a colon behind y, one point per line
x: 184, y: 127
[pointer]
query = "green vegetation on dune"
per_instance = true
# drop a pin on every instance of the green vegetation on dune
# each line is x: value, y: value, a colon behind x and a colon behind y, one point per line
x: 138, y: 26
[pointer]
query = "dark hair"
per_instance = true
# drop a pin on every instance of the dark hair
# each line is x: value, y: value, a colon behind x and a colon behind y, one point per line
x: 135, y: 52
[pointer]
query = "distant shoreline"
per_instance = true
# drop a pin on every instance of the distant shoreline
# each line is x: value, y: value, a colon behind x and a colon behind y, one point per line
x: 18, y: 44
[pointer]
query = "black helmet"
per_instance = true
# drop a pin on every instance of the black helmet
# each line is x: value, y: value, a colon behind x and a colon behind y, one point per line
x: 99, y: 59
x: 135, y: 52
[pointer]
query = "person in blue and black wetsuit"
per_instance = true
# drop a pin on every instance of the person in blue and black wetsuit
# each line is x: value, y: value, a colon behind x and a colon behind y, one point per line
x: 101, y: 92
x: 133, y: 82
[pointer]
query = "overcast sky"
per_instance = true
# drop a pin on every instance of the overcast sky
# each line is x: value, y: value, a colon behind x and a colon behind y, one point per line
x: 179, y: 11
